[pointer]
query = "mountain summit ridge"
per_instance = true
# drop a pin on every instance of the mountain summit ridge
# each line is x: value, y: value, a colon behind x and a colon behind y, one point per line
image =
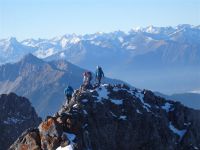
x: 116, y: 117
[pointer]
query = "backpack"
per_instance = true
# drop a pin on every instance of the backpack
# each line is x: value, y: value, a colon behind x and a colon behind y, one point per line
x: 69, y: 90
x: 88, y: 74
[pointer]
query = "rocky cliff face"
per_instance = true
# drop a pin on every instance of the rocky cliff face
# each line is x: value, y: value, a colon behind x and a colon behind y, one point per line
x: 16, y: 115
x: 116, y: 117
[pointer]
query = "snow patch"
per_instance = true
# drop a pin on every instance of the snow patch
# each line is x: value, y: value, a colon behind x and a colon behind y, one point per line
x: 64, y: 42
x: 123, y: 117
x: 117, y: 101
x: 196, y: 148
x: 62, y: 55
x: 97, y: 43
x: 131, y: 47
x: 71, y: 136
x: 116, y: 89
x: 113, y: 114
x: 138, y: 111
x: 85, y: 125
x: 103, y: 93
x: 121, y: 39
x: 13, y: 120
x: 141, y: 97
x: 75, y: 105
x: 75, y: 40
x: 167, y: 107
x: 195, y: 91
x: 84, y: 100
x: 187, y: 124
x: 68, y: 147
x: 45, y: 53
x: 85, y: 112
x: 180, y: 133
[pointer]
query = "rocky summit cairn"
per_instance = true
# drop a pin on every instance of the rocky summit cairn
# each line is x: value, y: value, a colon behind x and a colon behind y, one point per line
x: 116, y: 117
x: 16, y: 115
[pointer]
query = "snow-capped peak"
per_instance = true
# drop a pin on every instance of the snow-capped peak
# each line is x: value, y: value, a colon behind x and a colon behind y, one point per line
x: 137, y: 29
x: 75, y: 40
x: 152, y: 29
x: 8, y: 44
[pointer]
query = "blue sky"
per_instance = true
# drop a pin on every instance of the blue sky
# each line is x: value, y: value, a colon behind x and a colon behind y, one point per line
x: 49, y: 18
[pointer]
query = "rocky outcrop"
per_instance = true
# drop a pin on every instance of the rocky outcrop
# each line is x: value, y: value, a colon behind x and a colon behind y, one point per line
x: 16, y: 115
x: 117, y: 117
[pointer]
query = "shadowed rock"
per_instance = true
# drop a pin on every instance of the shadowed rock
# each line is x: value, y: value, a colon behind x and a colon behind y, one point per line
x: 16, y: 115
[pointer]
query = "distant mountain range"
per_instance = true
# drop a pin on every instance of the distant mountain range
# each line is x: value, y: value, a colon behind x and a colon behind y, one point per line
x: 42, y: 82
x: 191, y: 100
x: 165, y: 59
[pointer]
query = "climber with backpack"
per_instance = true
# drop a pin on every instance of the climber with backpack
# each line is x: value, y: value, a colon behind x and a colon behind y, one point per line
x: 87, y: 77
x: 99, y: 75
x: 68, y: 91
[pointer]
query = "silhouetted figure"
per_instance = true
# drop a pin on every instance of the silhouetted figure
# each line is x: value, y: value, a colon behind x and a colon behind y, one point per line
x: 68, y: 91
x: 87, y: 77
x: 99, y: 75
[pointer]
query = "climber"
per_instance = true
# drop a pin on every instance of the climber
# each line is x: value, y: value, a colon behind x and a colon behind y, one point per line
x: 68, y: 91
x: 87, y: 77
x: 98, y: 75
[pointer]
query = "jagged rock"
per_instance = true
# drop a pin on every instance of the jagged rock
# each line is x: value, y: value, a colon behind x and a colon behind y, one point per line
x: 50, y: 134
x: 17, y: 115
x: 30, y: 140
x: 119, y: 117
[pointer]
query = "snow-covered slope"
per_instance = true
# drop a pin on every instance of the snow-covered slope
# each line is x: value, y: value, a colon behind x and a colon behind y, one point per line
x: 12, y: 50
x: 136, y: 41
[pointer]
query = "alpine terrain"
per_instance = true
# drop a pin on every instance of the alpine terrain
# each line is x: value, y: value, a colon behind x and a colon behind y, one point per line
x: 115, y: 117
x: 164, y: 59
x: 42, y: 82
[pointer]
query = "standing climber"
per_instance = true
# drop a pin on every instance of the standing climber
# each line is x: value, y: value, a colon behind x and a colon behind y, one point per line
x: 87, y: 77
x: 68, y: 91
x: 99, y: 74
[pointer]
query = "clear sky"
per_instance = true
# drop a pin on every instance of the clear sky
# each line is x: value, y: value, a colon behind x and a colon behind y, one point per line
x: 49, y: 18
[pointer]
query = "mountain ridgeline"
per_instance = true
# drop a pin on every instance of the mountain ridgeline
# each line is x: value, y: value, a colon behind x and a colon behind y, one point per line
x: 170, y: 55
x: 41, y: 82
x: 116, y: 117
x: 191, y: 100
